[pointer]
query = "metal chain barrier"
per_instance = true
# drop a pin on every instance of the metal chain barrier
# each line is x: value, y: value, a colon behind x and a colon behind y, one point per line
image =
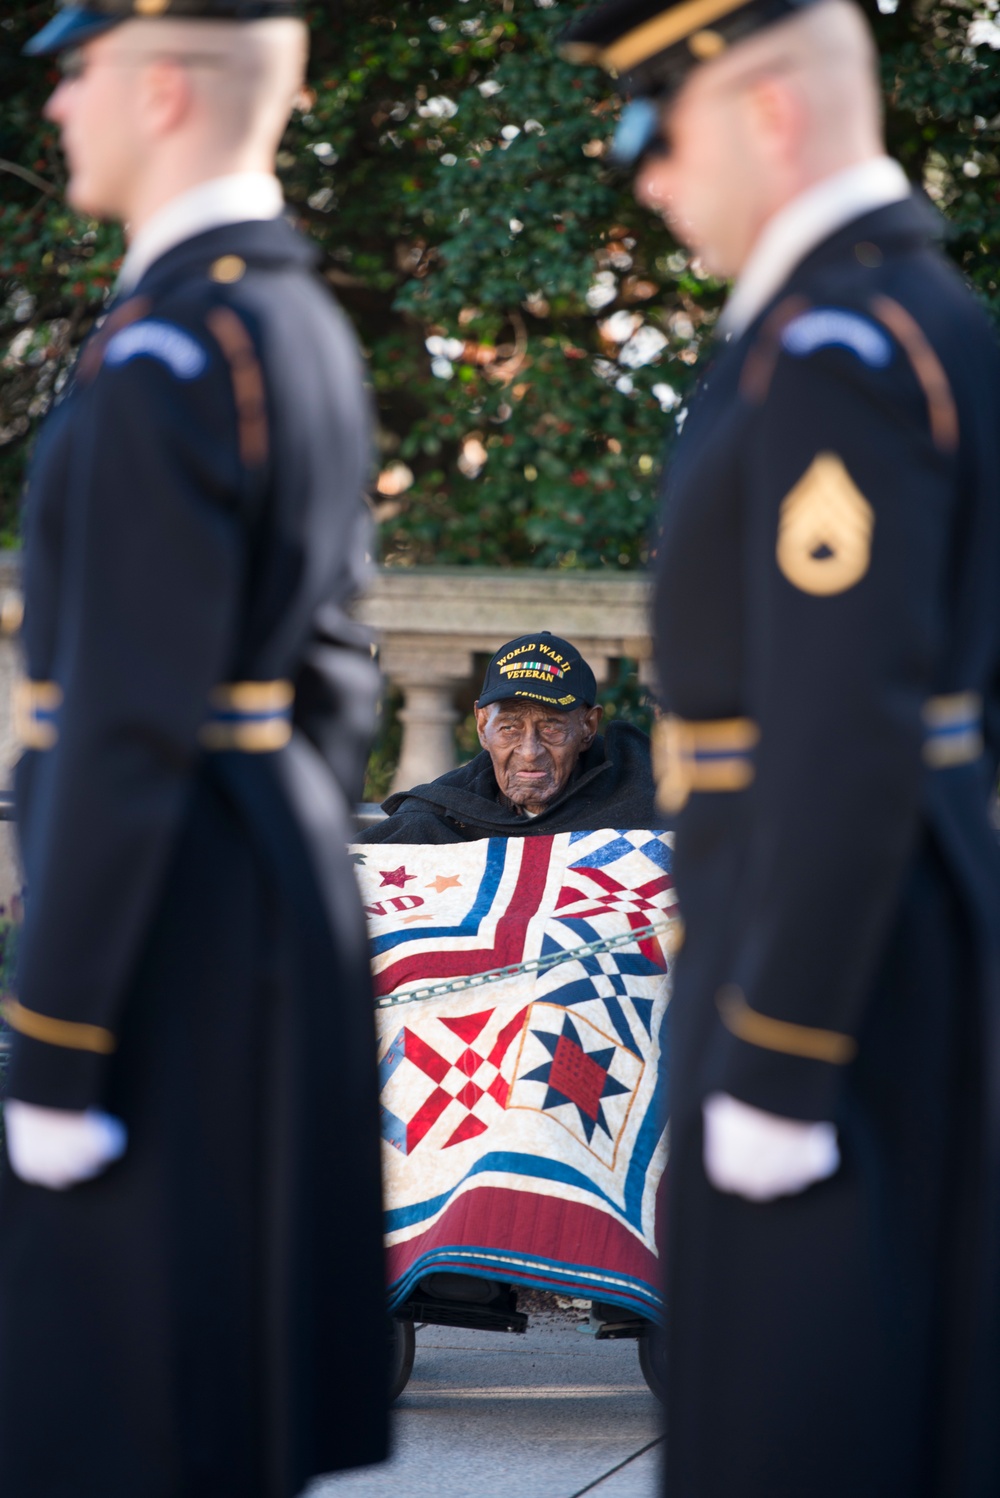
x: 534, y: 965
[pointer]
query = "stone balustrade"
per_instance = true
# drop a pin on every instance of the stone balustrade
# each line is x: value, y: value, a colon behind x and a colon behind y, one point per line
x: 432, y: 623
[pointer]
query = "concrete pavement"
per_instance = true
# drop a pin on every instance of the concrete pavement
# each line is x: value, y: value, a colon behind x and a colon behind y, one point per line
x: 549, y: 1414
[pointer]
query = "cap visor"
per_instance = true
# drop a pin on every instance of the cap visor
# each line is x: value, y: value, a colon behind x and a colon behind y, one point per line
x: 508, y: 694
x: 69, y: 28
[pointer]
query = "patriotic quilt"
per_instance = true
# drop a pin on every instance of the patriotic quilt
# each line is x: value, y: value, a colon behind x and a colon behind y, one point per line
x: 521, y: 990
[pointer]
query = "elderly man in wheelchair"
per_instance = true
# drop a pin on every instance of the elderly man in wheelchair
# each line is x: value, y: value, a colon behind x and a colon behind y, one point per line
x: 521, y: 918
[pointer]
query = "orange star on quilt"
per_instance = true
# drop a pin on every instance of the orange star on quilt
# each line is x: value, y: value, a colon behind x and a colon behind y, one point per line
x: 444, y: 881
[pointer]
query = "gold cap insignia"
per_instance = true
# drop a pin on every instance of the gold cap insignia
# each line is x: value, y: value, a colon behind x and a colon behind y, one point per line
x: 825, y: 529
x: 579, y: 52
x: 150, y: 7
x: 706, y: 44
x: 228, y: 268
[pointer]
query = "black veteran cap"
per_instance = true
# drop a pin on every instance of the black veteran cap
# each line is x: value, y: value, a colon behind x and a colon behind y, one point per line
x: 651, y: 47
x: 79, y: 21
x: 543, y: 668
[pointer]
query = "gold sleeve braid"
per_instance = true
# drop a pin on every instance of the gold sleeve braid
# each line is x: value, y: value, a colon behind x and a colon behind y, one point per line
x: 69, y: 1034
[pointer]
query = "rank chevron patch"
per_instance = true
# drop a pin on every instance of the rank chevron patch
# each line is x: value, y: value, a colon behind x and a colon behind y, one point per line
x: 825, y: 529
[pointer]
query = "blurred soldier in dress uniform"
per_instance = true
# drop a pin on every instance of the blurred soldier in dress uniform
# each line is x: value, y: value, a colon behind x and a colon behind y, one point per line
x: 827, y: 621
x: 191, y: 1272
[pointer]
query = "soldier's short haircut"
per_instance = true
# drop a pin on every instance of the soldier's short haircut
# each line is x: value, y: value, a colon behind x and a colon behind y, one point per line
x: 247, y: 73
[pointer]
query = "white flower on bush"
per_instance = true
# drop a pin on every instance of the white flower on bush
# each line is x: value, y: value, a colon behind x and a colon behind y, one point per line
x: 395, y: 479
x: 645, y: 347
x: 667, y: 396
x: 472, y: 459
x: 620, y: 326
x: 984, y: 33
x: 603, y: 290
x: 438, y: 108
x: 444, y: 348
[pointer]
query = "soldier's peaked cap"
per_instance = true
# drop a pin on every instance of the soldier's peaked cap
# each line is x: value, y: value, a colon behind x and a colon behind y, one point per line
x: 79, y: 21
x: 651, y: 47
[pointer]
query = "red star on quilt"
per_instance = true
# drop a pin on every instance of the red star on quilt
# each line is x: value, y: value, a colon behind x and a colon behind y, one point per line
x: 398, y: 877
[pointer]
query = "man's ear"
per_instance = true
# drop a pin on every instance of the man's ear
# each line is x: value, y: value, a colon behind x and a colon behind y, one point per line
x: 482, y: 717
x: 591, y: 722
x: 166, y: 96
x: 777, y: 116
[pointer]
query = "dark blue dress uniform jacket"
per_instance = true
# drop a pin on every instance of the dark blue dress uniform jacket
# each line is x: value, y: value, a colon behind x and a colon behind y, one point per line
x: 208, y: 1317
x: 828, y: 631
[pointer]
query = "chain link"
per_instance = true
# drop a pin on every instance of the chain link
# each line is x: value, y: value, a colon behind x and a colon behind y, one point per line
x: 534, y: 965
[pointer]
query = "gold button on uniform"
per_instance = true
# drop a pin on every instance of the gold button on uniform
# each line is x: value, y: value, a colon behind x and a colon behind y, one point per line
x: 228, y: 268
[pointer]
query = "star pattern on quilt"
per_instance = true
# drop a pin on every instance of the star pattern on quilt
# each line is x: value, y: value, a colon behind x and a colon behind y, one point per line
x: 443, y: 882
x: 574, y: 1070
x: 575, y: 1075
x: 422, y: 1080
x: 399, y: 877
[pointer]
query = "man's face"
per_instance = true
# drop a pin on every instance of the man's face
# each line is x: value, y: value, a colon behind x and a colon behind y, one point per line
x: 706, y: 188
x: 95, y: 107
x: 534, y: 748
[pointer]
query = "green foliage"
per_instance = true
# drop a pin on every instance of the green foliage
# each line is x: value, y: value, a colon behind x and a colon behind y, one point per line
x: 452, y: 172
x: 384, y: 757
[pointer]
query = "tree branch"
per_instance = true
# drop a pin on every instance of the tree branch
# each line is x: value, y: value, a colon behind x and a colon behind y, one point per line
x: 29, y: 177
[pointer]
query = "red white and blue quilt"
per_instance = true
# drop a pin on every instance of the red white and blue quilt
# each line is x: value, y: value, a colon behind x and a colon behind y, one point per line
x: 523, y: 1116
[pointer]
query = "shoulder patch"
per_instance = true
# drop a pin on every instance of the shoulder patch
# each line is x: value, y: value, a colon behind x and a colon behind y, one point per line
x: 827, y: 327
x: 174, y: 347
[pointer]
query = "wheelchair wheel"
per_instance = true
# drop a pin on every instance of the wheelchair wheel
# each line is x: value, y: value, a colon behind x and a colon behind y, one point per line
x: 402, y: 1346
x: 653, y: 1361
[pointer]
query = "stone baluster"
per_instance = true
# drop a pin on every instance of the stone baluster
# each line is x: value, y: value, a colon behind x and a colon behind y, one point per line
x: 427, y: 679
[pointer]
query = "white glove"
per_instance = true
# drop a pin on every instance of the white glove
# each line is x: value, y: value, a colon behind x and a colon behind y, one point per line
x: 56, y: 1148
x: 761, y: 1156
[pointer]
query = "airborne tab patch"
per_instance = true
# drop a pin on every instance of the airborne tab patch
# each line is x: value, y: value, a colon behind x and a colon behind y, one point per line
x: 833, y: 327
x: 175, y: 348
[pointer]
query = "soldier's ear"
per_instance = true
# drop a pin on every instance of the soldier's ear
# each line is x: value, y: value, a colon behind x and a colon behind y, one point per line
x: 482, y: 717
x: 165, y: 97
